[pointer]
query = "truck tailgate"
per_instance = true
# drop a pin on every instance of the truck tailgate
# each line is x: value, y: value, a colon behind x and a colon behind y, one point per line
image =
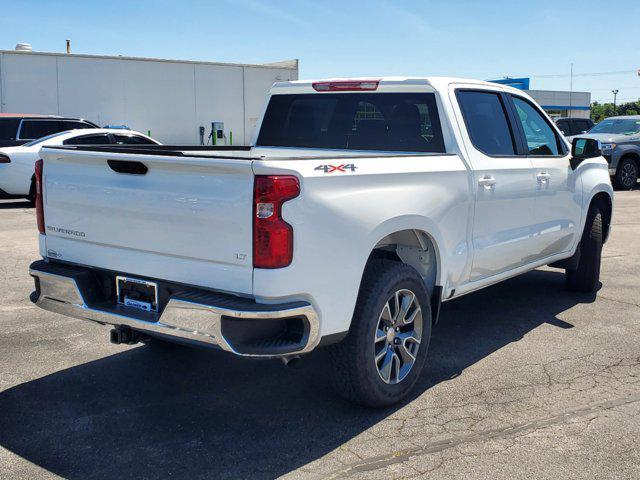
x: 187, y: 219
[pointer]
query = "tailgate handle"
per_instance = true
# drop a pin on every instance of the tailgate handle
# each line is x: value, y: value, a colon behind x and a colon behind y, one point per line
x: 128, y: 167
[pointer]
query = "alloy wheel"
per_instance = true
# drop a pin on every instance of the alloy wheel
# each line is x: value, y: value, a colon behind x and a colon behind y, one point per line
x: 397, y: 336
x: 629, y: 174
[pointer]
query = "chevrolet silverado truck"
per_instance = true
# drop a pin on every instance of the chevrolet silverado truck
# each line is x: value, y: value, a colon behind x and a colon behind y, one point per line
x: 360, y: 206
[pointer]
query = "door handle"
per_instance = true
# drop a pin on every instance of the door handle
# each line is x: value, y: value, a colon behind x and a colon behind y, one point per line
x: 487, y: 182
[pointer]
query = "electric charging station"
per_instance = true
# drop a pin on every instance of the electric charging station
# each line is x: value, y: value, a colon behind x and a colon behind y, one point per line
x: 217, y: 133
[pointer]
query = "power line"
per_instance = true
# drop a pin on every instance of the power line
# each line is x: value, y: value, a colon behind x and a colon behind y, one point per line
x: 628, y: 87
x: 567, y: 75
x: 610, y: 100
x: 592, y: 74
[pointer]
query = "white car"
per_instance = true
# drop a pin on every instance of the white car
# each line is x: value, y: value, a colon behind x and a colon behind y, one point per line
x: 17, y: 163
x: 360, y: 207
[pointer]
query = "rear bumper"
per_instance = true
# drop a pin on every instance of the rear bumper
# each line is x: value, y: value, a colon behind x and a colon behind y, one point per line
x: 195, y: 316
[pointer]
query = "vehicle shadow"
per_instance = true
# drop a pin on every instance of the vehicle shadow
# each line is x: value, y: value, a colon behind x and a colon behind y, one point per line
x: 13, y: 204
x: 187, y: 413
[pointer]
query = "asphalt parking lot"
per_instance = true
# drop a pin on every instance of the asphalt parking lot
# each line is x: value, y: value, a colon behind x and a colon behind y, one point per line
x: 524, y: 380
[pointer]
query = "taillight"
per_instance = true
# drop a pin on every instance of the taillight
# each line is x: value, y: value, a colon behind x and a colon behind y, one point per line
x: 345, y: 85
x: 272, y: 236
x: 4, y: 158
x: 39, y: 207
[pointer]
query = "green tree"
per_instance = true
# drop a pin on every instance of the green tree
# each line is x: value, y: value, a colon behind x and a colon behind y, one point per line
x: 600, y: 111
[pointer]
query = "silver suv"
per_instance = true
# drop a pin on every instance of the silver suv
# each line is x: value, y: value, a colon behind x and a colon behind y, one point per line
x: 620, y: 141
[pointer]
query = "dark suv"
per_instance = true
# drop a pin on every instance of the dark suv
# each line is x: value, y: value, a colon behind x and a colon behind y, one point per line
x: 17, y: 129
x: 574, y: 126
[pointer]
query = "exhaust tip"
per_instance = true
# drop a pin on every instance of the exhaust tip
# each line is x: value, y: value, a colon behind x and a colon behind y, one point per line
x: 290, y: 360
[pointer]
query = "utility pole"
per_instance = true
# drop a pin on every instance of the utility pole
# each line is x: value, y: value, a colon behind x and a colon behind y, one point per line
x: 615, y: 94
x: 571, y: 90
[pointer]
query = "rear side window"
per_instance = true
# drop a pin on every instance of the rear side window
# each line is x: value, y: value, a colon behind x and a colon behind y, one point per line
x: 486, y: 121
x: 405, y: 122
x: 9, y: 128
x: 32, y: 129
x: 74, y: 125
x: 101, y: 139
x: 541, y: 139
x: 583, y: 125
x: 563, y: 125
x: 132, y: 140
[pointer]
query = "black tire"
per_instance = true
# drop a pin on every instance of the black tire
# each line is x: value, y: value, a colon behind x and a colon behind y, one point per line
x: 355, y: 372
x: 626, y: 175
x: 32, y: 193
x: 586, y: 276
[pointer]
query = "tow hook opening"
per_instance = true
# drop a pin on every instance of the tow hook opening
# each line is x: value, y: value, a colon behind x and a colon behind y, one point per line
x: 124, y: 335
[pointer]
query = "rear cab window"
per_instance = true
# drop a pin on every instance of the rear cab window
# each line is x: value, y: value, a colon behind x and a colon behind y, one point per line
x: 398, y: 122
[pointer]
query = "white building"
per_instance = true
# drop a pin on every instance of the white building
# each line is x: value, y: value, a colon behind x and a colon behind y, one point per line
x: 170, y: 98
x: 563, y: 103
x: 557, y: 103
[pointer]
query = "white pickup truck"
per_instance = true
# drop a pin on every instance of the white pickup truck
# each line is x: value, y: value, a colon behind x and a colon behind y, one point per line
x: 360, y: 207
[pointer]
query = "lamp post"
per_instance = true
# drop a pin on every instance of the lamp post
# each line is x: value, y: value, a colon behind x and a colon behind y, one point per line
x: 615, y: 93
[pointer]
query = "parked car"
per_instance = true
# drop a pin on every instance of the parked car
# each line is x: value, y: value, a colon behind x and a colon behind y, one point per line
x: 18, y: 129
x: 574, y: 126
x: 361, y: 207
x: 17, y: 163
x: 620, y: 141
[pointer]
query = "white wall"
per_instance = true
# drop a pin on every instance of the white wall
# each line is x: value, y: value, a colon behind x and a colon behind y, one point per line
x: 29, y: 84
x: 171, y: 99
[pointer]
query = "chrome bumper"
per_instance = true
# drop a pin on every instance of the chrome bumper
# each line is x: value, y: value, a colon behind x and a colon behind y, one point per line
x: 193, y: 317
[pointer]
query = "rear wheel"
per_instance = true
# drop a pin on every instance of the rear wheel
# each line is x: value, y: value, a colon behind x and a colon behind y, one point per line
x: 586, y: 276
x: 32, y: 193
x: 626, y: 174
x: 381, y: 358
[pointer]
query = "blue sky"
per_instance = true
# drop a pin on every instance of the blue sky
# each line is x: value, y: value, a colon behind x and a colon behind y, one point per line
x: 477, y: 39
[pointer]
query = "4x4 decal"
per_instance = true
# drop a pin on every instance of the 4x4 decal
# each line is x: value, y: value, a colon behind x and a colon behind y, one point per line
x: 336, y: 168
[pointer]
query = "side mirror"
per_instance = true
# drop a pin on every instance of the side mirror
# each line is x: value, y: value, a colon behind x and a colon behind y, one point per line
x: 582, y: 149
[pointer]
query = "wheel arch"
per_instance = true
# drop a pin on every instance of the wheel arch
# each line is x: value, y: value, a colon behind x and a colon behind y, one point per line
x: 632, y: 154
x: 417, y: 247
x: 605, y: 200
